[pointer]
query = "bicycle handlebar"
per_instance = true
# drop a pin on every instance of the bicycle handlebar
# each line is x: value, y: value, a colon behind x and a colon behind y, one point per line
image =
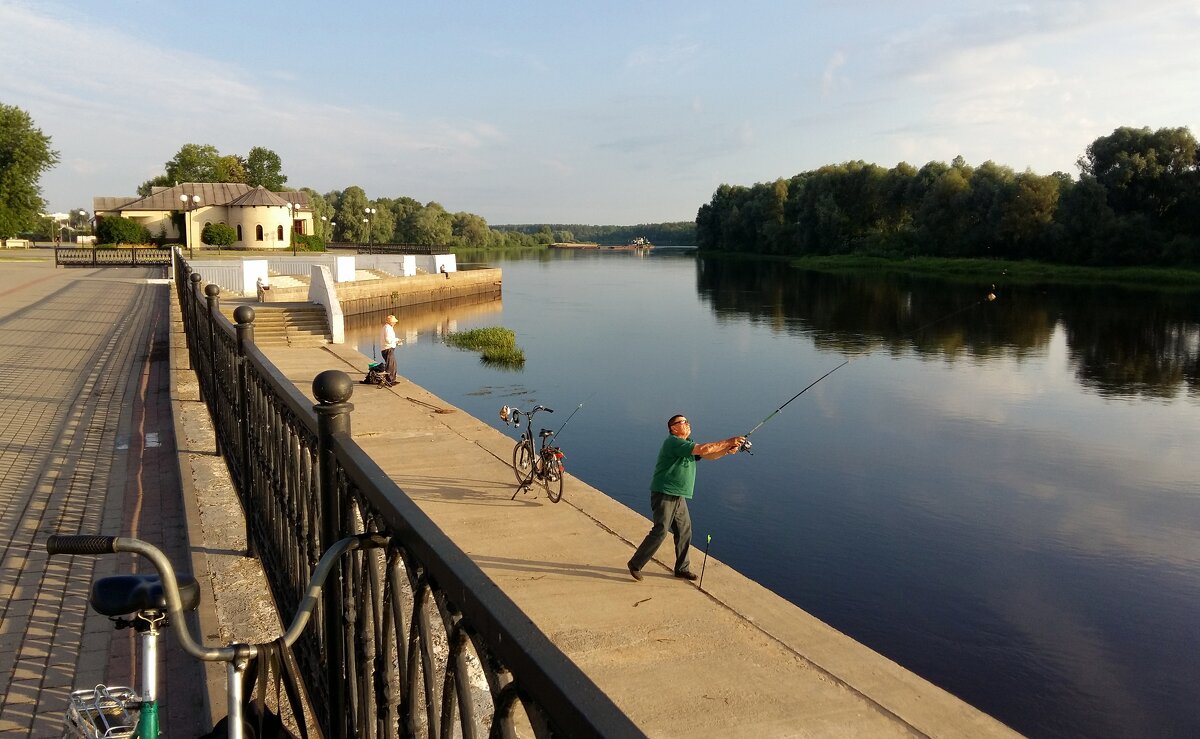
x: 92, y: 544
x: 89, y: 544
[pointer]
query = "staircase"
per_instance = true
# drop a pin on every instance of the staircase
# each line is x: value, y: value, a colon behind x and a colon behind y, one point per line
x: 287, y: 324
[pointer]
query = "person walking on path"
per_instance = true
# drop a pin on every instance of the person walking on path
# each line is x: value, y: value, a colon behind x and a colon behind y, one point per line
x: 671, y: 487
x: 389, y: 343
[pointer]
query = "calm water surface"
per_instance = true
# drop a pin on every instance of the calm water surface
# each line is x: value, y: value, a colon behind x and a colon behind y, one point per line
x: 999, y: 496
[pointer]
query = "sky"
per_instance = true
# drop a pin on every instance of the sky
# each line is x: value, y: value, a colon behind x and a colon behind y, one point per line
x: 615, y: 113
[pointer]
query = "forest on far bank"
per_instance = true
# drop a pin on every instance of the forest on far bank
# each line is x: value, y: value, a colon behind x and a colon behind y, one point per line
x: 676, y: 233
x: 1136, y: 202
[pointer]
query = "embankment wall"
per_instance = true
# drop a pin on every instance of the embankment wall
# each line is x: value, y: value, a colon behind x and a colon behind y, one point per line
x: 370, y: 296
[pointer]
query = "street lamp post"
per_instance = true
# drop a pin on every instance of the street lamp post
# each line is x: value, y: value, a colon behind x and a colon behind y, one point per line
x: 370, y: 212
x: 328, y: 231
x: 189, y: 204
x: 293, y: 208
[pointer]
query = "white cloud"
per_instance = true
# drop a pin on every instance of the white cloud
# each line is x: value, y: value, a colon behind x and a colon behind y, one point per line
x: 829, y: 78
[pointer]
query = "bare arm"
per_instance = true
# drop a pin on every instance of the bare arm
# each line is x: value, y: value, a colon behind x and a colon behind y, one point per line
x: 718, y: 449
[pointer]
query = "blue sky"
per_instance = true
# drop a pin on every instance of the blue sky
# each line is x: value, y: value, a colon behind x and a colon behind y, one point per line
x: 607, y: 113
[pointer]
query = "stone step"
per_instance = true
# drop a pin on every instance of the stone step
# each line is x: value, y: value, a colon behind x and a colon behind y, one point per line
x: 296, y: 325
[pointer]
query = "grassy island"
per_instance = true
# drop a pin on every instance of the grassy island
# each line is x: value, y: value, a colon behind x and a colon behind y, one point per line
x: 496, y: 344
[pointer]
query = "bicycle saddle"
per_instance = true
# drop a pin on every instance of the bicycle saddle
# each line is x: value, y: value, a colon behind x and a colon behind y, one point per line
x: 121, y: 594
x: 546, y: 432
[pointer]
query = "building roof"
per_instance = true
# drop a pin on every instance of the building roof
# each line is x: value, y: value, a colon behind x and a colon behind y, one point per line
x: 211, y: 193
x: 259, y: 196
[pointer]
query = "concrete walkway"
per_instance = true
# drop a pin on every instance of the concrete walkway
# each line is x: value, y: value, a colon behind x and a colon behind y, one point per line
x: 86, y: 446
x: 731, y: 660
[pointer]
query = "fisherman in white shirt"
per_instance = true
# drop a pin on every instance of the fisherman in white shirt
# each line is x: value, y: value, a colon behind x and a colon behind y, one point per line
x: 389, y: 348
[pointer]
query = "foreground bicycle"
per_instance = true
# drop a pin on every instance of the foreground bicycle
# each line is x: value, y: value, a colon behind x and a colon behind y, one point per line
x: 544, y: 464
x: 155, y: 601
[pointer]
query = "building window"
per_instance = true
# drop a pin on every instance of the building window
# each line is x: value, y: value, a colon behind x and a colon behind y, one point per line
x: 280, y: 229
x: 258, y: 232
x: 239, y: 230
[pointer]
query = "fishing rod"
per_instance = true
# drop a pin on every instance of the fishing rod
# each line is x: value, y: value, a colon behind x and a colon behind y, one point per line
x: 560, y: 428
x: 746, y: 444
x: 745, y: 447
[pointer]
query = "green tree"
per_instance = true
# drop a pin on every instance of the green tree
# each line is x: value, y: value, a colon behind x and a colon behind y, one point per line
x: 382, y: 224
x: 1143, y: 170
x: 468, y: 229
x: 194, y: 163
x: 263, y: 167
x: 323, y: 214
x: 148, y: 187
x: 351, y: 207
x: 218, y: 235
x: 25, y: 154
x: 121, y: 230
x: 431, y: 225
x: 231, y: 168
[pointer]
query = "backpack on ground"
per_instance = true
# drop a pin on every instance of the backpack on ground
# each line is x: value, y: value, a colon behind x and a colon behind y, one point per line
x: 376, y: 374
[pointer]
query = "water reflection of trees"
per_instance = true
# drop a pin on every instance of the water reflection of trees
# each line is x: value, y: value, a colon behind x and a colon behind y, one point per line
x: 1120, y: 342
x: 429, y: 319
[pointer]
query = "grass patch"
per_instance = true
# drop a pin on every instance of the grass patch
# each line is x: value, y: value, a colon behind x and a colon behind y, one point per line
x: 1024, y: 271
x: 496, y: 344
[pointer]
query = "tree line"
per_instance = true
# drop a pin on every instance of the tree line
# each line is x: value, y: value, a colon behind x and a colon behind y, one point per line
x: 1136, y: 202
x: 349, y: 215
x: 675, y: 233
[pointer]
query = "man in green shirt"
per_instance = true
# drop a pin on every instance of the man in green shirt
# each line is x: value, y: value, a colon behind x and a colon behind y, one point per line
x: 671, y: 487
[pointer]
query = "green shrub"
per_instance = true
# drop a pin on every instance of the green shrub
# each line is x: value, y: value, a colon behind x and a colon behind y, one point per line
x: 121, y: 230
x: 218, y: 235
x: 309, y: 242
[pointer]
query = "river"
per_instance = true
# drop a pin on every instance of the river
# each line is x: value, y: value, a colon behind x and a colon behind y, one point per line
x: 998, y: 495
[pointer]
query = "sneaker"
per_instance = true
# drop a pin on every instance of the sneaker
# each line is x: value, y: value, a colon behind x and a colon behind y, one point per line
x: 689, y: 576
x: 635, y: 574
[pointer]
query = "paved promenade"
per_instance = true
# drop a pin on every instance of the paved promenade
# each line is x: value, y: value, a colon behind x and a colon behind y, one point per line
x: 86, y: 445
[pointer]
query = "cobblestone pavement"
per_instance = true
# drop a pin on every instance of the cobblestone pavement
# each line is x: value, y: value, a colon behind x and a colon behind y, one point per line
x: 86, y: 446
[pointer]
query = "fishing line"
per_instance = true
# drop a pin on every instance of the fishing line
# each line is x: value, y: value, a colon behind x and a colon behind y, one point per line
x: 991, y: 296
x: 560, y: 428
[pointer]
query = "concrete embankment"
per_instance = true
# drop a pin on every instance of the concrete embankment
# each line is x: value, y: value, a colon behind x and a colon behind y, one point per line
x: 369, y: 296
x: 732, y: 659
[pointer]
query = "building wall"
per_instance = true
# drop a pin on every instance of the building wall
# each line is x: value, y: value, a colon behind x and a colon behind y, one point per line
x: 271, y: 218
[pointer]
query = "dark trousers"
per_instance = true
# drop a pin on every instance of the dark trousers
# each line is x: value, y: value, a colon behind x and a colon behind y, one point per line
x: 670, y: 513
x: 389, y: 361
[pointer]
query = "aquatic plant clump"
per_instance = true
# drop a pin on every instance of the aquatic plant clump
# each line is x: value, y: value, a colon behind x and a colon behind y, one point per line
x: 496, y: 344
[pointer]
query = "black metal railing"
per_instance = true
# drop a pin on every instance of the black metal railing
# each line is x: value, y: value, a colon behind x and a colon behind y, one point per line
x: 410, y: 640
x: 110, y: 256
x: 398, y: 248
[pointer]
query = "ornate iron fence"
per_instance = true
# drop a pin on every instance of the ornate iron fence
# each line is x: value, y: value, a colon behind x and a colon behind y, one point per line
x: 92, y: 256
x: 412, y: 639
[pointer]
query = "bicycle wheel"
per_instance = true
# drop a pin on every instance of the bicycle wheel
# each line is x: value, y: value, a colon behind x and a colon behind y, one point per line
x: 523, y: 462
x: 552, y: 476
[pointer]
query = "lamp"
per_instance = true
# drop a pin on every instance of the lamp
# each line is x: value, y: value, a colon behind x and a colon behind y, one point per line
x: 189, y: 204
x: 293, y: 209
x: 370, y: 212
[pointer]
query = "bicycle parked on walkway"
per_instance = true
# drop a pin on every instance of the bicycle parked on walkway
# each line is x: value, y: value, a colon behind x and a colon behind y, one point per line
x: 148, y: 603
x: 543, y: 464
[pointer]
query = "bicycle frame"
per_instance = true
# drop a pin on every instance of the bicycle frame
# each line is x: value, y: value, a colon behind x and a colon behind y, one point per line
x: 544, y: 461
x: 235, y: 656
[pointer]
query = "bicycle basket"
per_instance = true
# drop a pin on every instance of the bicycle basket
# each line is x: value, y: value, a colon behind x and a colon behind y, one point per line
x: 102, y: 713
